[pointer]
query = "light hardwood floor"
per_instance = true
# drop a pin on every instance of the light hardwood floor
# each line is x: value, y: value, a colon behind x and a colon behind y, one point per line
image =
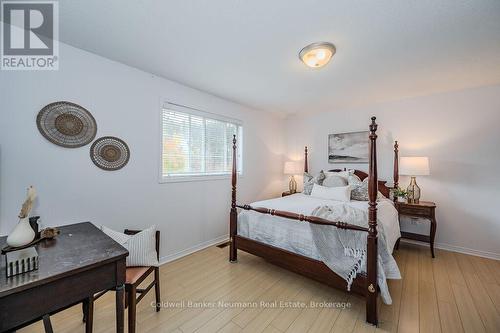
x: 451, y: 293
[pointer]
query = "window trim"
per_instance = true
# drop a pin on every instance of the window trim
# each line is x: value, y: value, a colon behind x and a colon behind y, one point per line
x: 165, y: 104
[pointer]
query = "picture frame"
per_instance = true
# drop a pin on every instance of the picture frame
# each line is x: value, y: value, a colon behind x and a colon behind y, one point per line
x: 350, y: 147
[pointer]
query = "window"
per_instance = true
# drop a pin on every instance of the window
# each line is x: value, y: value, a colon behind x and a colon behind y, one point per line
x: 197, y: 145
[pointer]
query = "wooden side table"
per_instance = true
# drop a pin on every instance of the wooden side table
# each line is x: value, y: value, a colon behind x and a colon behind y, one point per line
x: 424, y: 209
x: 284, y: 194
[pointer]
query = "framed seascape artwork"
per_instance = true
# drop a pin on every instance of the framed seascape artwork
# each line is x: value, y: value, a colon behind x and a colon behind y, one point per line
x: 348, y: 147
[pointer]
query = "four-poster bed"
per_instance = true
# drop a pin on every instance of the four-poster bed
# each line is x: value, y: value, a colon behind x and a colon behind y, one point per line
x: 363, y: 284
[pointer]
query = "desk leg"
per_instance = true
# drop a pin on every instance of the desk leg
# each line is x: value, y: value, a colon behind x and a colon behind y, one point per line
x: 89, y: 314
x: 47, y: 324
x: 120, y: 308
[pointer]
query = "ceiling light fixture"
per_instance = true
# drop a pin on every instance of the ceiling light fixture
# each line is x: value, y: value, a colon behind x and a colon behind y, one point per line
x: 317, y: 55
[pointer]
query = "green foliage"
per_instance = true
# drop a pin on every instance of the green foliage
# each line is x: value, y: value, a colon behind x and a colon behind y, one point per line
x: 400, y: 193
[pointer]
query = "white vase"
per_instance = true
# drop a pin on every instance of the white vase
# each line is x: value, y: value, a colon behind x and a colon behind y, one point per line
x: 22, y: 234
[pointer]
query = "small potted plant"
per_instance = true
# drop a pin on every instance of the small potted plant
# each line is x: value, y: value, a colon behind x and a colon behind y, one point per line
x: 400, y: 194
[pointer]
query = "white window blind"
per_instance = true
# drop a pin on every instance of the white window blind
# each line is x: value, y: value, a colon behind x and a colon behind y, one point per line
x: 197, y: 144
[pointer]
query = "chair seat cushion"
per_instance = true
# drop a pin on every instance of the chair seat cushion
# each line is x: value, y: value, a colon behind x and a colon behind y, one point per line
x: 134, y: 273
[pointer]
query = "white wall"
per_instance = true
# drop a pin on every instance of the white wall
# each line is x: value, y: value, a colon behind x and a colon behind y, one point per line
x: 459, y: 132
x: 125, y: 103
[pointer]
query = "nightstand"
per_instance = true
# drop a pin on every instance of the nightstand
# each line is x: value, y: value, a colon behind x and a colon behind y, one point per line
x: 284, y: 194
x: 424, y: 209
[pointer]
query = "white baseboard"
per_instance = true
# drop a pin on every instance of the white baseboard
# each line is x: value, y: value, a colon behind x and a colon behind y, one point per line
x: 196, y: 248
x: 459, y: 249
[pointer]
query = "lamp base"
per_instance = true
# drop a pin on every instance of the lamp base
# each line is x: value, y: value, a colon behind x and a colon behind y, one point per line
x: 413, y: 191
x: 292, y: 185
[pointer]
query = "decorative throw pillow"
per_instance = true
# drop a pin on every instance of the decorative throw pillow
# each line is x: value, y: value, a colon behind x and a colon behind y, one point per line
x: 141, y: 246
x: 310, y: 180
x: 342, y: 193
x: 359, y: 189
x: 333, y: 180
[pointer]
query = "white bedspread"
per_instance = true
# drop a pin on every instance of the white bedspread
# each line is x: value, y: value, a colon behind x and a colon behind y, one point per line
x: 296, y: 236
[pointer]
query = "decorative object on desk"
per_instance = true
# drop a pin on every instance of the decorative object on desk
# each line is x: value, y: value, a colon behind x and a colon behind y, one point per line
x: 109, y: 153
x: 348, y: 147
x: 21, y: 261
x: 400, y: 194
x: 292, y: 168
x: 35, y: 226
x: 28, y: 203
x: 414, y: 166
x: 66, y: 124
x: 47, y: 233
x: 23, y: 233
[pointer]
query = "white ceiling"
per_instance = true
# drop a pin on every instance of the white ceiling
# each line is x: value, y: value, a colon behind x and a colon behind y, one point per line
x: 247, y: 50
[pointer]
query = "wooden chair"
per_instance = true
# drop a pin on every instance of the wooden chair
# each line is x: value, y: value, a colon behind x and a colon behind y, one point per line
x: 134, y: 277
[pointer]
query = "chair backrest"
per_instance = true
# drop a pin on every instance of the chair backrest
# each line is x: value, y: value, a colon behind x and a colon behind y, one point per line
x: 157, y: 238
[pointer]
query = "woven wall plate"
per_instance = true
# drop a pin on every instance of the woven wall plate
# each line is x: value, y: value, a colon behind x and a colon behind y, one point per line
x: 109, y: 153
x: 66, y: 124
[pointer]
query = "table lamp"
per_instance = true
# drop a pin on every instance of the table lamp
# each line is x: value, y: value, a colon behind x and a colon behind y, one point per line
x: 292, y: 168
x: 414, y: 166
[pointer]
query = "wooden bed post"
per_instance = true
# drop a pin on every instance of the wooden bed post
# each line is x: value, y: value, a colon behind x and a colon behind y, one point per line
x: 233, y: 215
x: 371, y: 248
x: 396, y: 167
x: 306, y: 167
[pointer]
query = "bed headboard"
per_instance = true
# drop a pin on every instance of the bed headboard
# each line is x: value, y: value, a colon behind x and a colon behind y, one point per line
x: 382, y: 187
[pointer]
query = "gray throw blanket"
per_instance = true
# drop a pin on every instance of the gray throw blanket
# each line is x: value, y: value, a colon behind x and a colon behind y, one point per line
x: 344, y: 251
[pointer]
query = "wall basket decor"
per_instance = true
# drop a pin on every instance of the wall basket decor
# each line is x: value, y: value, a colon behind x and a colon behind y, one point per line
x: 66, y: 124
x: 109, y: 153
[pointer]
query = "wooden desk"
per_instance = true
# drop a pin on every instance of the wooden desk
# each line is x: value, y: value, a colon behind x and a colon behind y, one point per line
x: 78, y: 263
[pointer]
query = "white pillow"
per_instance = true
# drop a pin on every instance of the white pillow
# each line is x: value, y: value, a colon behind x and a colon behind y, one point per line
x: 344, y: 174
x: 342, y: 193
x: 334, y: 181
x: 141, y: 246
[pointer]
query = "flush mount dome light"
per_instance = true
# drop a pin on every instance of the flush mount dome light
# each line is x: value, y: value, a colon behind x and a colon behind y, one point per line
x: 317, y: 55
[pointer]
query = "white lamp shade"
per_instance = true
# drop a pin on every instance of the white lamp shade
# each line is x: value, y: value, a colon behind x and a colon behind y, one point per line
x: 292, y: 168
x: 414, y: 166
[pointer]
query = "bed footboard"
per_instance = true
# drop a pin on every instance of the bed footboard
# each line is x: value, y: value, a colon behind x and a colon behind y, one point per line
x: 371, y: 246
